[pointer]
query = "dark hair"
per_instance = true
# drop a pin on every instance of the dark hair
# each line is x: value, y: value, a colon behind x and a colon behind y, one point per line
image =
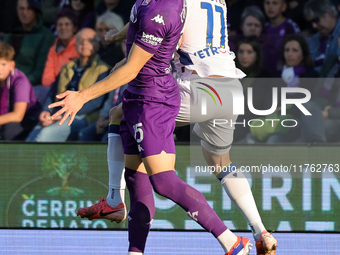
x: 89, y: 7
x: 68, y: 13
x: 255, y: 69
x: 307, y: 59
x: 318, y: 8
x: 7, y: 52
x: 35, y: 5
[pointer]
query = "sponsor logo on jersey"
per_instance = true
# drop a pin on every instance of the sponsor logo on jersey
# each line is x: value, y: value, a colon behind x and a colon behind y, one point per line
x: 211, y: 51
x: 146, y: 2
x: 151, y: 39
x: 159, y: 19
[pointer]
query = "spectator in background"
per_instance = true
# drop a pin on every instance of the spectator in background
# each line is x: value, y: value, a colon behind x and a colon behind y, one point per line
x: 31, y: 40
x: 275, y: 31
x: 295, y: 12
x: 324, y: 18
x: 323, y: 124
x: 84, y: 10
x: 249, y: 57
x: 297, y: 62
x: 63, y: 50
x: 76, y: 75
x: 19, y: 107
x: 50, y: 9
x: 120, y: 7
x: 297, y: 67
x: 98, y: 130
x: 109, y: 53
x: 235, y: 7
x: 249, y: 60
x: 252, y: 23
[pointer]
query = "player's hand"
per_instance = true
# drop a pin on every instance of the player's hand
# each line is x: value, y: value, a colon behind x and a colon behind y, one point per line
x: 110, y: 36
x: 72, y: 102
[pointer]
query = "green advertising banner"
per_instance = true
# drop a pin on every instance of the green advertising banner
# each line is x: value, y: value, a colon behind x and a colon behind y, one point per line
x: 296, y: 188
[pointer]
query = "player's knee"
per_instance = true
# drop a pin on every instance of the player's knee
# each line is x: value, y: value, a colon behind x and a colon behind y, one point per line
x: 141, y: 214
x: 215, y: 150
x: 116, y: 114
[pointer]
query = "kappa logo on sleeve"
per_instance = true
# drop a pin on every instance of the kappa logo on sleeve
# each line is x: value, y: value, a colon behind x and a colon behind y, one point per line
x: 159, y: 19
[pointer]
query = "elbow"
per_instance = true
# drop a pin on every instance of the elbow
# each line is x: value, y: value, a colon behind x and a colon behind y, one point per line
x: 17, y: 118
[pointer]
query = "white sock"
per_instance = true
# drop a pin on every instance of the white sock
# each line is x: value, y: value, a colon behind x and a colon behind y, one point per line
x: 134, y: 253
x: 227, y: 239
x: 115, y: 161
x: 238, y: 189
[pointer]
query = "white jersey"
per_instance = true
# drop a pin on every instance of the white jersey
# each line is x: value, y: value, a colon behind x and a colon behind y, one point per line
x: 204, y: 47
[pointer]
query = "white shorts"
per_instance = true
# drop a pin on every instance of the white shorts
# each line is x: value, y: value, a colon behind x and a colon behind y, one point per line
x: 208, y: 102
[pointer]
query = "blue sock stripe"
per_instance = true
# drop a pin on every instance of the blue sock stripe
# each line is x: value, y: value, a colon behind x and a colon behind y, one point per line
x: 114, y: 128
x: 239, y: 248
x: 226, y: 170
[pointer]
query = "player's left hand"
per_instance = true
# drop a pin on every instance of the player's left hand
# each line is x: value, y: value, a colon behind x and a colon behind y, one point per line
x: 71, y: 104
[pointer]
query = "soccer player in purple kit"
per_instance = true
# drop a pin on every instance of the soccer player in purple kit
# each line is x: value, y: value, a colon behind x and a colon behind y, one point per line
x: 150, y: 105
x: 204, y: 59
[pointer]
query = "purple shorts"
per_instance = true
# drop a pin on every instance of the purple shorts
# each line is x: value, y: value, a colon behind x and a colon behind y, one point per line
x: 148, y: 123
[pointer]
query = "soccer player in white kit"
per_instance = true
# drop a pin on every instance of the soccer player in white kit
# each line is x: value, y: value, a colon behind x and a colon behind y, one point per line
x: 203, y: 63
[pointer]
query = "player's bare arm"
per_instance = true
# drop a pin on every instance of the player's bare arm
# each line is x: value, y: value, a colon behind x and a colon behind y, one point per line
x: 73, y: 101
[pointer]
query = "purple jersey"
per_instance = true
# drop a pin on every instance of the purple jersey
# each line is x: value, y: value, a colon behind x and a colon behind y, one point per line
x: 156, y: 27
x: 274, y: 37
x: 21, y: 90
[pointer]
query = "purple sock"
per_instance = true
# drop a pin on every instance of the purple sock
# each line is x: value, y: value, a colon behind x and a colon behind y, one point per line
x: 169, y: 185
x: 142, y: 208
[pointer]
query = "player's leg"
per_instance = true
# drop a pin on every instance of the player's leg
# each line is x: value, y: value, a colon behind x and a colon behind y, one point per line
x: 238, y: 189
x: 142, y: 206
x: 113, y: 207
x: 115, y: 159
x: 166, y: 183
x: 151, y: 123
x: 216, y: 139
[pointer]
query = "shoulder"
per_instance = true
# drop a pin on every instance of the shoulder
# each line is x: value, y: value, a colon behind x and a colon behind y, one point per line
x: 19, y: 76
x: 19, y: 80
x: 68, y: 66
x: 163, y: 9
x: 292, y: 25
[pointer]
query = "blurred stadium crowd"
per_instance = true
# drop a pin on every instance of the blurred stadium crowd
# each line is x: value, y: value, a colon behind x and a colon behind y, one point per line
x: 48, y: 46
